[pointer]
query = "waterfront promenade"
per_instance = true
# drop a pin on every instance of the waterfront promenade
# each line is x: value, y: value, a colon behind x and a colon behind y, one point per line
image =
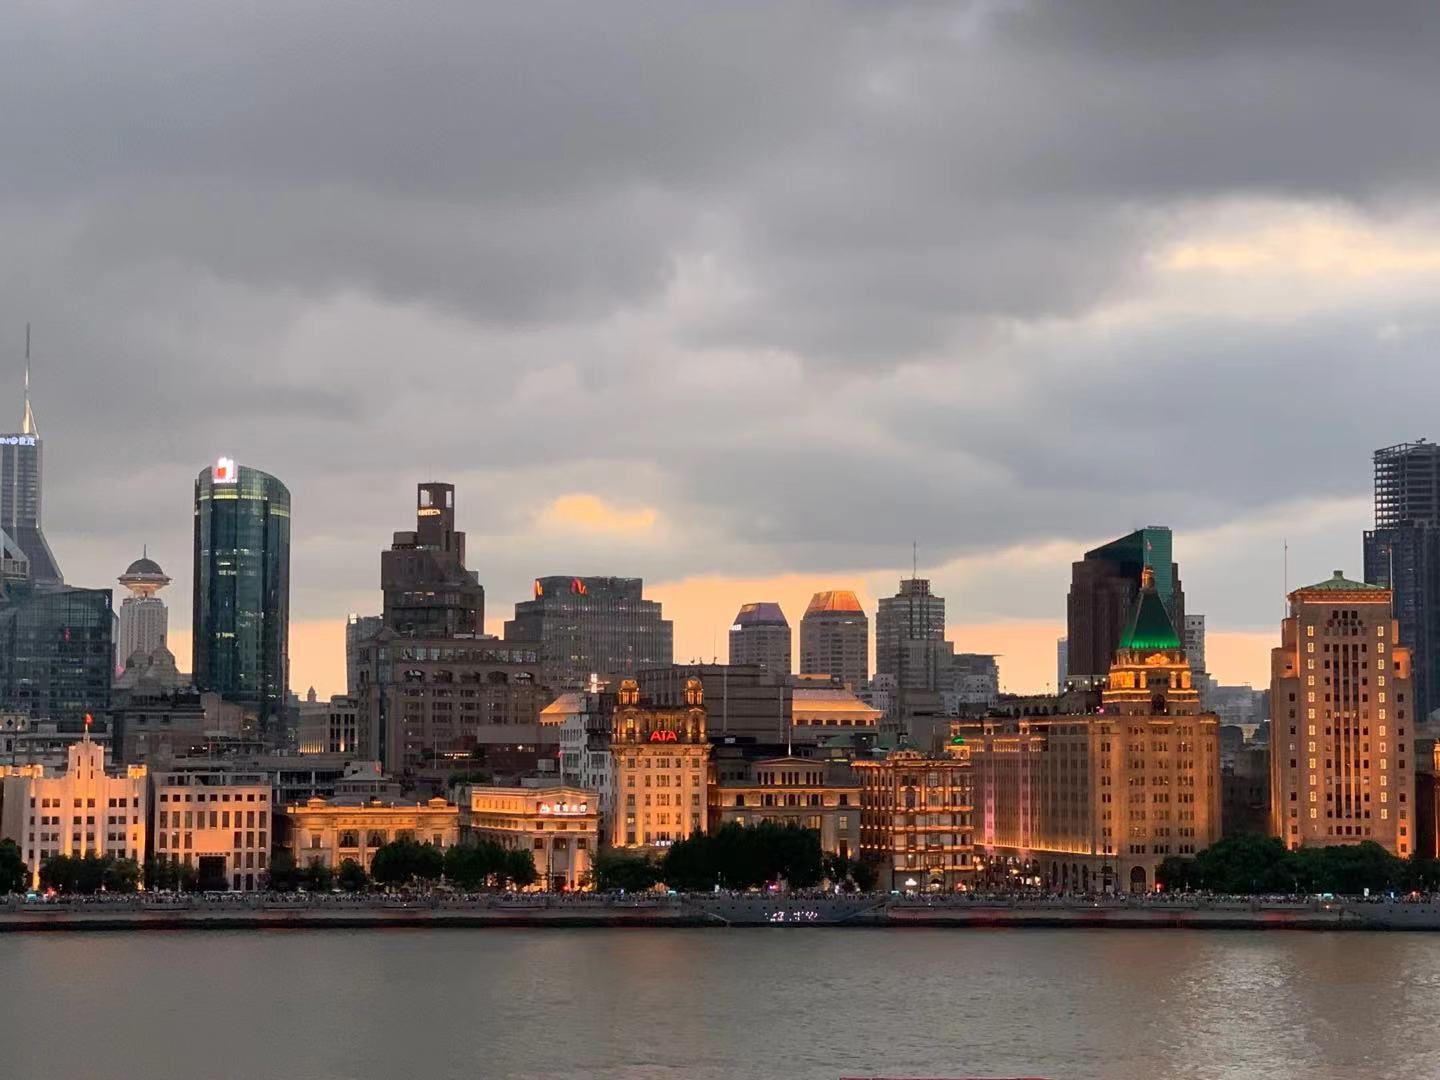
x: 279, y: 911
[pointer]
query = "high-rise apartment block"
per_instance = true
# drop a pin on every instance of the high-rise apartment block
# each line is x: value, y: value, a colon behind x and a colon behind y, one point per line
x: 1103, y: 588
x: 428, y: 591
x: 910, y: 637
x: 241, y: 612
x: 1342, y: 721
x: 1402, y: 553
x: 592, y: 626
x: 760, y: 635
x: 143, y: 619
x: 835, y: 638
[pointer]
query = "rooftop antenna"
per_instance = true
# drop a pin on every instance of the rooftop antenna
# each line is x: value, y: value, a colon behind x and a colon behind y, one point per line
x: 1285, y: 602
x: 27, y: 422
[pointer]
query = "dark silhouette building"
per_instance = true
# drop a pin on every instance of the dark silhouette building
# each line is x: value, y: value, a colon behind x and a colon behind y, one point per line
x: 56, y: 654
x: 1402, y: 553
x: 592, y: 626
x: 428, y: 591
x: 241, y: 638
x: 1103, y: 588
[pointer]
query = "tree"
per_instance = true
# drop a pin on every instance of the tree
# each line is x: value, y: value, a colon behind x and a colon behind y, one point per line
x: 520, y: 867
x: 121, y: 876
x: 864, y: 875
x: 623, y: 871
x: 474, y: 866
x: 318, y: 877
x: 352, y: 877
x: 284, y: 876
x: 1175, y: 873
x: 402, y: 861
x: 740, y: 856
x: 14, y: 874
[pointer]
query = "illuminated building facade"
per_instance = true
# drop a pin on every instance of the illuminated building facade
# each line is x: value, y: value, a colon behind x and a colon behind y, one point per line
x: 835, y: 638
x: 329, y: 727
x: 83, y: 810
x: 1103, y: 588
x: 916, y: 819
x: 241, y: 641
x: 760, y: 635
x: 1342, y: 721
x: 819, y: 795
x: 333, y: 832
x: 143, y: 618
x: 559, y: 824
x: 1093, y: 802
x: 823, y: 712
x: 428, y: 591
x: 216, y: 822
x: 661, y: 766
x: 592, y: 626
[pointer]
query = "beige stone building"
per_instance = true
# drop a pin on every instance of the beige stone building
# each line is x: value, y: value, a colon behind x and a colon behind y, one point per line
x: 1342, y: 723
x: 915, y: 820
x: 217, y: 822
x: 1095, y: 802
x: 333, y: 832
x: 822, y: 712
x: 558, y: 823
x: 819, y: 795
x: 81, y: 810
x: 661, y: 764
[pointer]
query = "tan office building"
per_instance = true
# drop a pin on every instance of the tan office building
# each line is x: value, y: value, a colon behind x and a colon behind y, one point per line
x: 333, y: 832
x: 216, y: 822
x: 819, y: 795
x: 661, y: 764
x: 1342, y: 725
x: 1095, y: 802
x: 558, y: 823
x: 915, y: 819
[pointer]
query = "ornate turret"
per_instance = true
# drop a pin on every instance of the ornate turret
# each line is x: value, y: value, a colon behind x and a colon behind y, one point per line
x: 1150, y: 674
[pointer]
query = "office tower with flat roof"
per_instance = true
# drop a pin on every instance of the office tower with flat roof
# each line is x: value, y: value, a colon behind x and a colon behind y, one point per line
x: 1342, y: 721
x: 760, y: 635
x: 835, y: 638
x: 1062, y: 663
x: 1195, y: 645
x: 592, y: 626
x: 358, y: 630
x: 144, y: 621
x: 1402, y: 553
x: 428, y: 591
x: 57, y: 654
x: 910, y: 637
x: 1103, y: 588
x: 21, y: 490
x: 241, y: 613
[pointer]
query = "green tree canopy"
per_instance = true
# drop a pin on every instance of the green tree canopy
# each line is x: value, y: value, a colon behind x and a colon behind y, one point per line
x: 14, y: 874
x: 614, y: 871
x: 352, y: 877
x: 745, y: 856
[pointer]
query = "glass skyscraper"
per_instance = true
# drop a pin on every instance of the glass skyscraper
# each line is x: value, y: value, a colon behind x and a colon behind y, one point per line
x: 1103, y: 588
x: 56, y: 653
x: 21, y: 457
x: 241, y: 639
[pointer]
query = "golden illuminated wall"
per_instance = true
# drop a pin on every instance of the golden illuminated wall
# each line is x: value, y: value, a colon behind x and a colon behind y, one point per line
x: 1342, y: 727
x: 915, y: 822
x: 559, y: 825
x: 661, y: 758
x: 333, y: 833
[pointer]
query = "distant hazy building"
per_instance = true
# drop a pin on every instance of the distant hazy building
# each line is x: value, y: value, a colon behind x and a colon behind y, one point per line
x: 972, y: 681
x: 1062, y: 663
x: 592, y: 626
x: 910, y: 636
x: 1402, y: 553
x: 1195, y: 645
x: 428, y: 591
x: 1342, y: 721
x: 329, y: 727
x: 241, y: 613
x: 143, y: 618
x: 57, y: 654
x: 358, y: 629
x: 760, y: 635
x: 741, y: 700
x: 835, y: 638
x: 21, y: 491
x: 1103, y: 587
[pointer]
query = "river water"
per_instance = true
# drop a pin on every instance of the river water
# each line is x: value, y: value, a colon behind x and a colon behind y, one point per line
x: 719, y: 1004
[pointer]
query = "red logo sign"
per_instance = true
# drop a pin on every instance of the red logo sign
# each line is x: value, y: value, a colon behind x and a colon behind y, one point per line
x: 664, y: 736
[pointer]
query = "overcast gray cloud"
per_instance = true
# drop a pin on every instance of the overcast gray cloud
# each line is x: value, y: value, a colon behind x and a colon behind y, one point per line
x: 807, y: 280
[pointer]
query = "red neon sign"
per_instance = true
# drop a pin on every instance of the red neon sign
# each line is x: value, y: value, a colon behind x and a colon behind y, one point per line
x: 664, y: 736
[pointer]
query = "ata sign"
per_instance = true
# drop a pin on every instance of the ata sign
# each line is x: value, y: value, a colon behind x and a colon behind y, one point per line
x: 664, y: 736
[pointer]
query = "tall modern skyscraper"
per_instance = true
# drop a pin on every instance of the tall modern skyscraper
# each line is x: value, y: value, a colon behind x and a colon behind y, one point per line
x: 1342, y: 721
x: 57, y: 653
x: 1103, y: 588
x: 1062, y: 663
x: 835, y: 638
x: 1402, y: 553
x: 144, y: 621
x: 428, y: 591
x: 358, y: 630
x: 760, y: 635
x: 21, y: 472
x: 1195, y: 645
x: 241, y: 636
x: 592, y: 626
x: 910, y: 637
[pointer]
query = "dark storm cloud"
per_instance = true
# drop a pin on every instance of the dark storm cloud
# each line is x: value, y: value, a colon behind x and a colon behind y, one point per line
x: 760, y: 266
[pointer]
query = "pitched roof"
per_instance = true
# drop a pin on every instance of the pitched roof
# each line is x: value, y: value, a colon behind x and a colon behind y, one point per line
x: 836, y: 600
x: 1150, y: 626
x: 1338, y: 582
x: 763, y: 613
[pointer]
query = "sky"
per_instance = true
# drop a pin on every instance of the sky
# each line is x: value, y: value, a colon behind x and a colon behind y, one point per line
x: 744, y: 299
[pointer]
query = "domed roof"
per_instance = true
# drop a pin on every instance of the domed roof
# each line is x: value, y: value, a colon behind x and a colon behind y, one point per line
x: 144, y: 566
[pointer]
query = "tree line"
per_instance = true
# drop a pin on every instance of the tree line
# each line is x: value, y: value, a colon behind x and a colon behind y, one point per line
x: 1251, y: 865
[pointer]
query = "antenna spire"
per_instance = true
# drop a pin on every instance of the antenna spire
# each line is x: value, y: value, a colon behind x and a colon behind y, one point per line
x: 27, y: 422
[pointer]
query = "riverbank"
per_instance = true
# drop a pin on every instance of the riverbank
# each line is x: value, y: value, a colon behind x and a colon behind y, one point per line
x: 255, y: 913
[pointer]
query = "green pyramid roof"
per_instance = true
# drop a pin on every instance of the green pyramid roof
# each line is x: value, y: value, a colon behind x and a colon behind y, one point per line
x: 1338, y: 582
x: 1150, y: 626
